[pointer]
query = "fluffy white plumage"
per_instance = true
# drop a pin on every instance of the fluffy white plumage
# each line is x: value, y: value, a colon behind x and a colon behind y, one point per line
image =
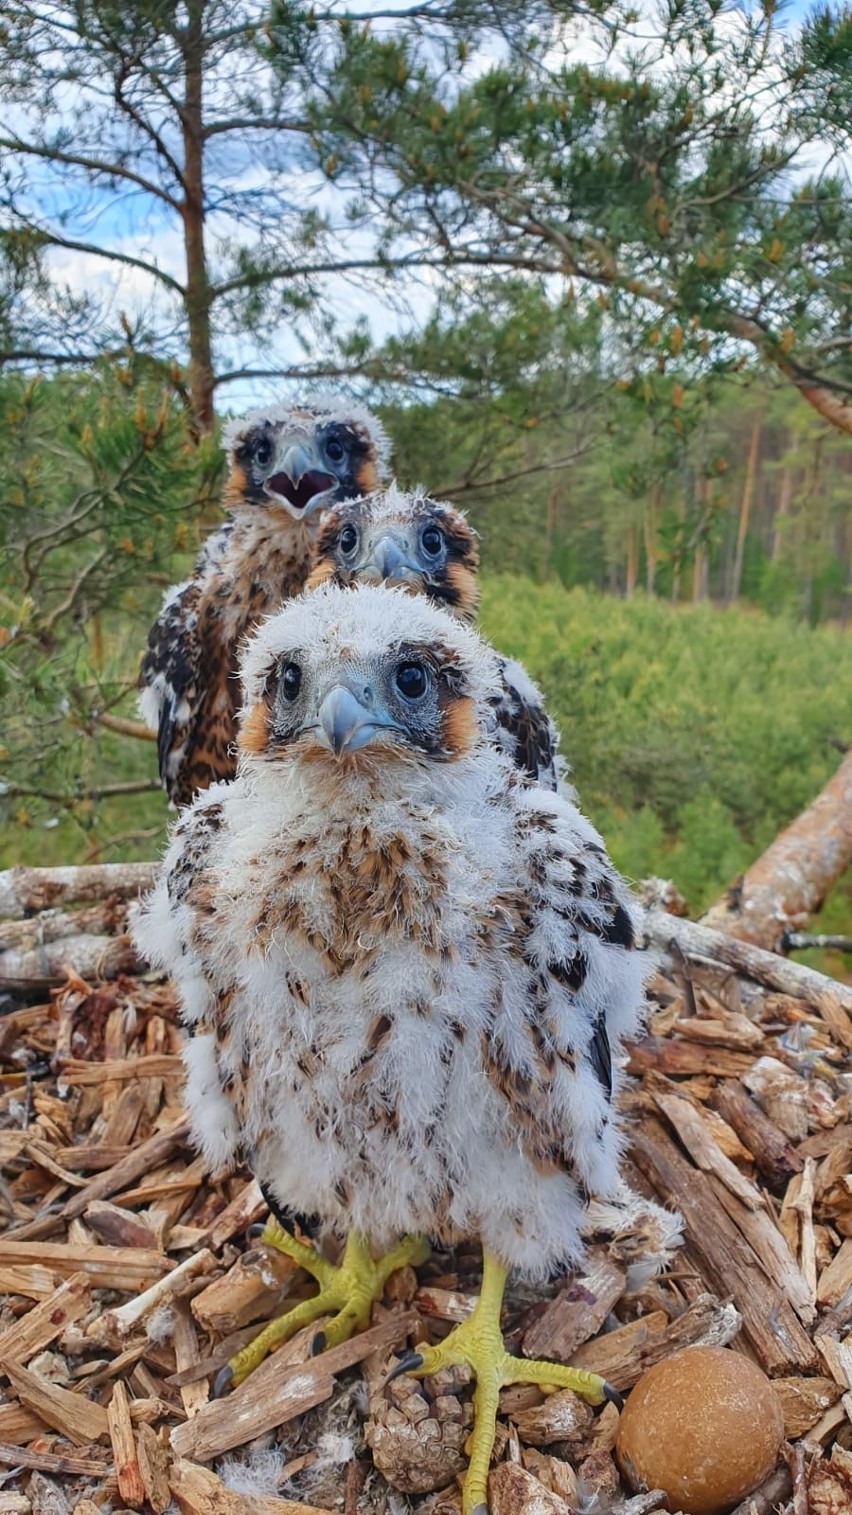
x: 404, y: 971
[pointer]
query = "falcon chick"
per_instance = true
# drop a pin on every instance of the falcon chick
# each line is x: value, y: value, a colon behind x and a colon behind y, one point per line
x: 428, y: 547
x: 405, y: 966
x: 284, y: 465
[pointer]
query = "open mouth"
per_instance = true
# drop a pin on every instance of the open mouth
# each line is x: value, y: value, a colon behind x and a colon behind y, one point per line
x: 301, y: 495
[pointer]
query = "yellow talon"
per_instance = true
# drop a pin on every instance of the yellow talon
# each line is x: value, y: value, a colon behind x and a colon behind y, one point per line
x: 478, y: 1344
x: 346, y: 1293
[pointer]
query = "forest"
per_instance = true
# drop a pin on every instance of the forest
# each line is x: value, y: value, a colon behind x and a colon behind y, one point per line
x: 594, y: 274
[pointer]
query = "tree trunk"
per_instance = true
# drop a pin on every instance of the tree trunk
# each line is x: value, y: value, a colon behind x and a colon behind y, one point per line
x: 677, y: 560
x: 699, y: 573
x: 785, y: 500
x: 650, y: 518
x: 745, y: 508
x: 793, y: 877
x: 550, y: 531
x: 632, y: 570
x: 192, y: 210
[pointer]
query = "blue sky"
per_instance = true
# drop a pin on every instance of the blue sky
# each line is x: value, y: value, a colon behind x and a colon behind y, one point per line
x: 146, y: 229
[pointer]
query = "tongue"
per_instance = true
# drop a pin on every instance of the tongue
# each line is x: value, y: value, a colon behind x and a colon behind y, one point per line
x: 300, y: 495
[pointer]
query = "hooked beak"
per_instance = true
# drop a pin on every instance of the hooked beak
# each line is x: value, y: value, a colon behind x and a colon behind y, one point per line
x: 346, y: 724
x: 389, y: 560
x: 299, y: 479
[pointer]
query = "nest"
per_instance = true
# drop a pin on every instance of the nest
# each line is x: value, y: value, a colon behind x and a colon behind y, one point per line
x: 127, y: 1280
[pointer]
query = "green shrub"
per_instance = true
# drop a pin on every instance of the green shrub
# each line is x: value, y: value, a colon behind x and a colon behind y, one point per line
x: 694, y: 734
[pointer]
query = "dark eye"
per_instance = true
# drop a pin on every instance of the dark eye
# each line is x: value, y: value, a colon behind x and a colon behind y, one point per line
x: 348, y: 540
x: 411, y: 680
x: 335, y: 450
x: 291, y: 681
x: 263, y: 451
x: 432, y: 541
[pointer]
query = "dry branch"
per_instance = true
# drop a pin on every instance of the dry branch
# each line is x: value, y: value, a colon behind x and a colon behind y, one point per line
x: 780, y: 1343
x: 698, y: 943
x: 789, y: 882
x: 90, y: 957
x: 24, y: 890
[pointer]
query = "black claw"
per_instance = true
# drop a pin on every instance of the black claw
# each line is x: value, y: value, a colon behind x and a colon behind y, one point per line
x: 317, y: 1344
x: 256, y: 1229
x: 613, y: 1397
x: 222, y: 1382
x: 407, y: 1364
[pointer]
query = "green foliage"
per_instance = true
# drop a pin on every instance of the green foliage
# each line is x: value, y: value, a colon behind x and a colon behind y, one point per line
x: 671, y: 181
x: 101, y: 490
x: 693, y: 735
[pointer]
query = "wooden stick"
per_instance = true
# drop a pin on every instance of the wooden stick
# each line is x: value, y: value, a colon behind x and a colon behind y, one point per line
x: 149, y: 1154
x: 623, y: 1355
x: 160, y: 1065
x: 23, y: 890
x: 154, y: 1468
x: 793, y: 877
x: 92, y: 957
x: 832, y: 1000
x: 49, y: 1462
x: 248, y: 1207
x: 578, y: 1311
x: 773, y: 1154
x: 122, y: 1268
x: 106, y: 918
x: 47, y: 1320
x: 701, y: 1147
x: 71, y: 1414
x: 781, y: 1344
x: 277, y: 1391
x: 131, y: 1486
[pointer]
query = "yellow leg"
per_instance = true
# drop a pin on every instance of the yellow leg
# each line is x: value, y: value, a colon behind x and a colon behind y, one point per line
x: 346, y: 1292
x: 478, y: 1344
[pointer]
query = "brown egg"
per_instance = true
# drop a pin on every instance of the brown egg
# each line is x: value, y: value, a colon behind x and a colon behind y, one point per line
x: 705, y: 1426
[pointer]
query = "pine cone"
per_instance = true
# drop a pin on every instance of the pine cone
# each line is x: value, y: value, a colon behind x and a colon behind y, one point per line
x: 417, y: 1431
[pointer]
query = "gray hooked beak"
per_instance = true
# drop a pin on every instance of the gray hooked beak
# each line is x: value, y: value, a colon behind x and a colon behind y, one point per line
x: 296, y: 462
x: 345, y: 722
x: 390, y: 561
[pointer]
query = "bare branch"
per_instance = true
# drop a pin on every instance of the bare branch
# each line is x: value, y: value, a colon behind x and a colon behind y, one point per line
x: 93, y: 165
x: 56, y: 797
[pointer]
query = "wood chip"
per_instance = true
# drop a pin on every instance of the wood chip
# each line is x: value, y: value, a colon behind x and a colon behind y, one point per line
x: 701, y: 1147
x: 276, y: 1392
x: 154, y: 1468
x: 198, y: 1491
x: 71, y: 1414
x: 253, y: 1289
x: 105, y: 1267
x: 803, y: 1401
x: 623, y: 1355
x: 131, y: 1486
x: 729, y: 1263
x: 47, y: 1320
x: 578, y: 1311
x: 50, y: 1462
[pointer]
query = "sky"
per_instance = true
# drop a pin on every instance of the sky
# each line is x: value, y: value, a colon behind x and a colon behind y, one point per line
x: 140, y: 226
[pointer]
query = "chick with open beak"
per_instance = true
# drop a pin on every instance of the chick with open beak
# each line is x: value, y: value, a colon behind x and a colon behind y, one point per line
x: 284, y: 466
x: 305, y: 457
